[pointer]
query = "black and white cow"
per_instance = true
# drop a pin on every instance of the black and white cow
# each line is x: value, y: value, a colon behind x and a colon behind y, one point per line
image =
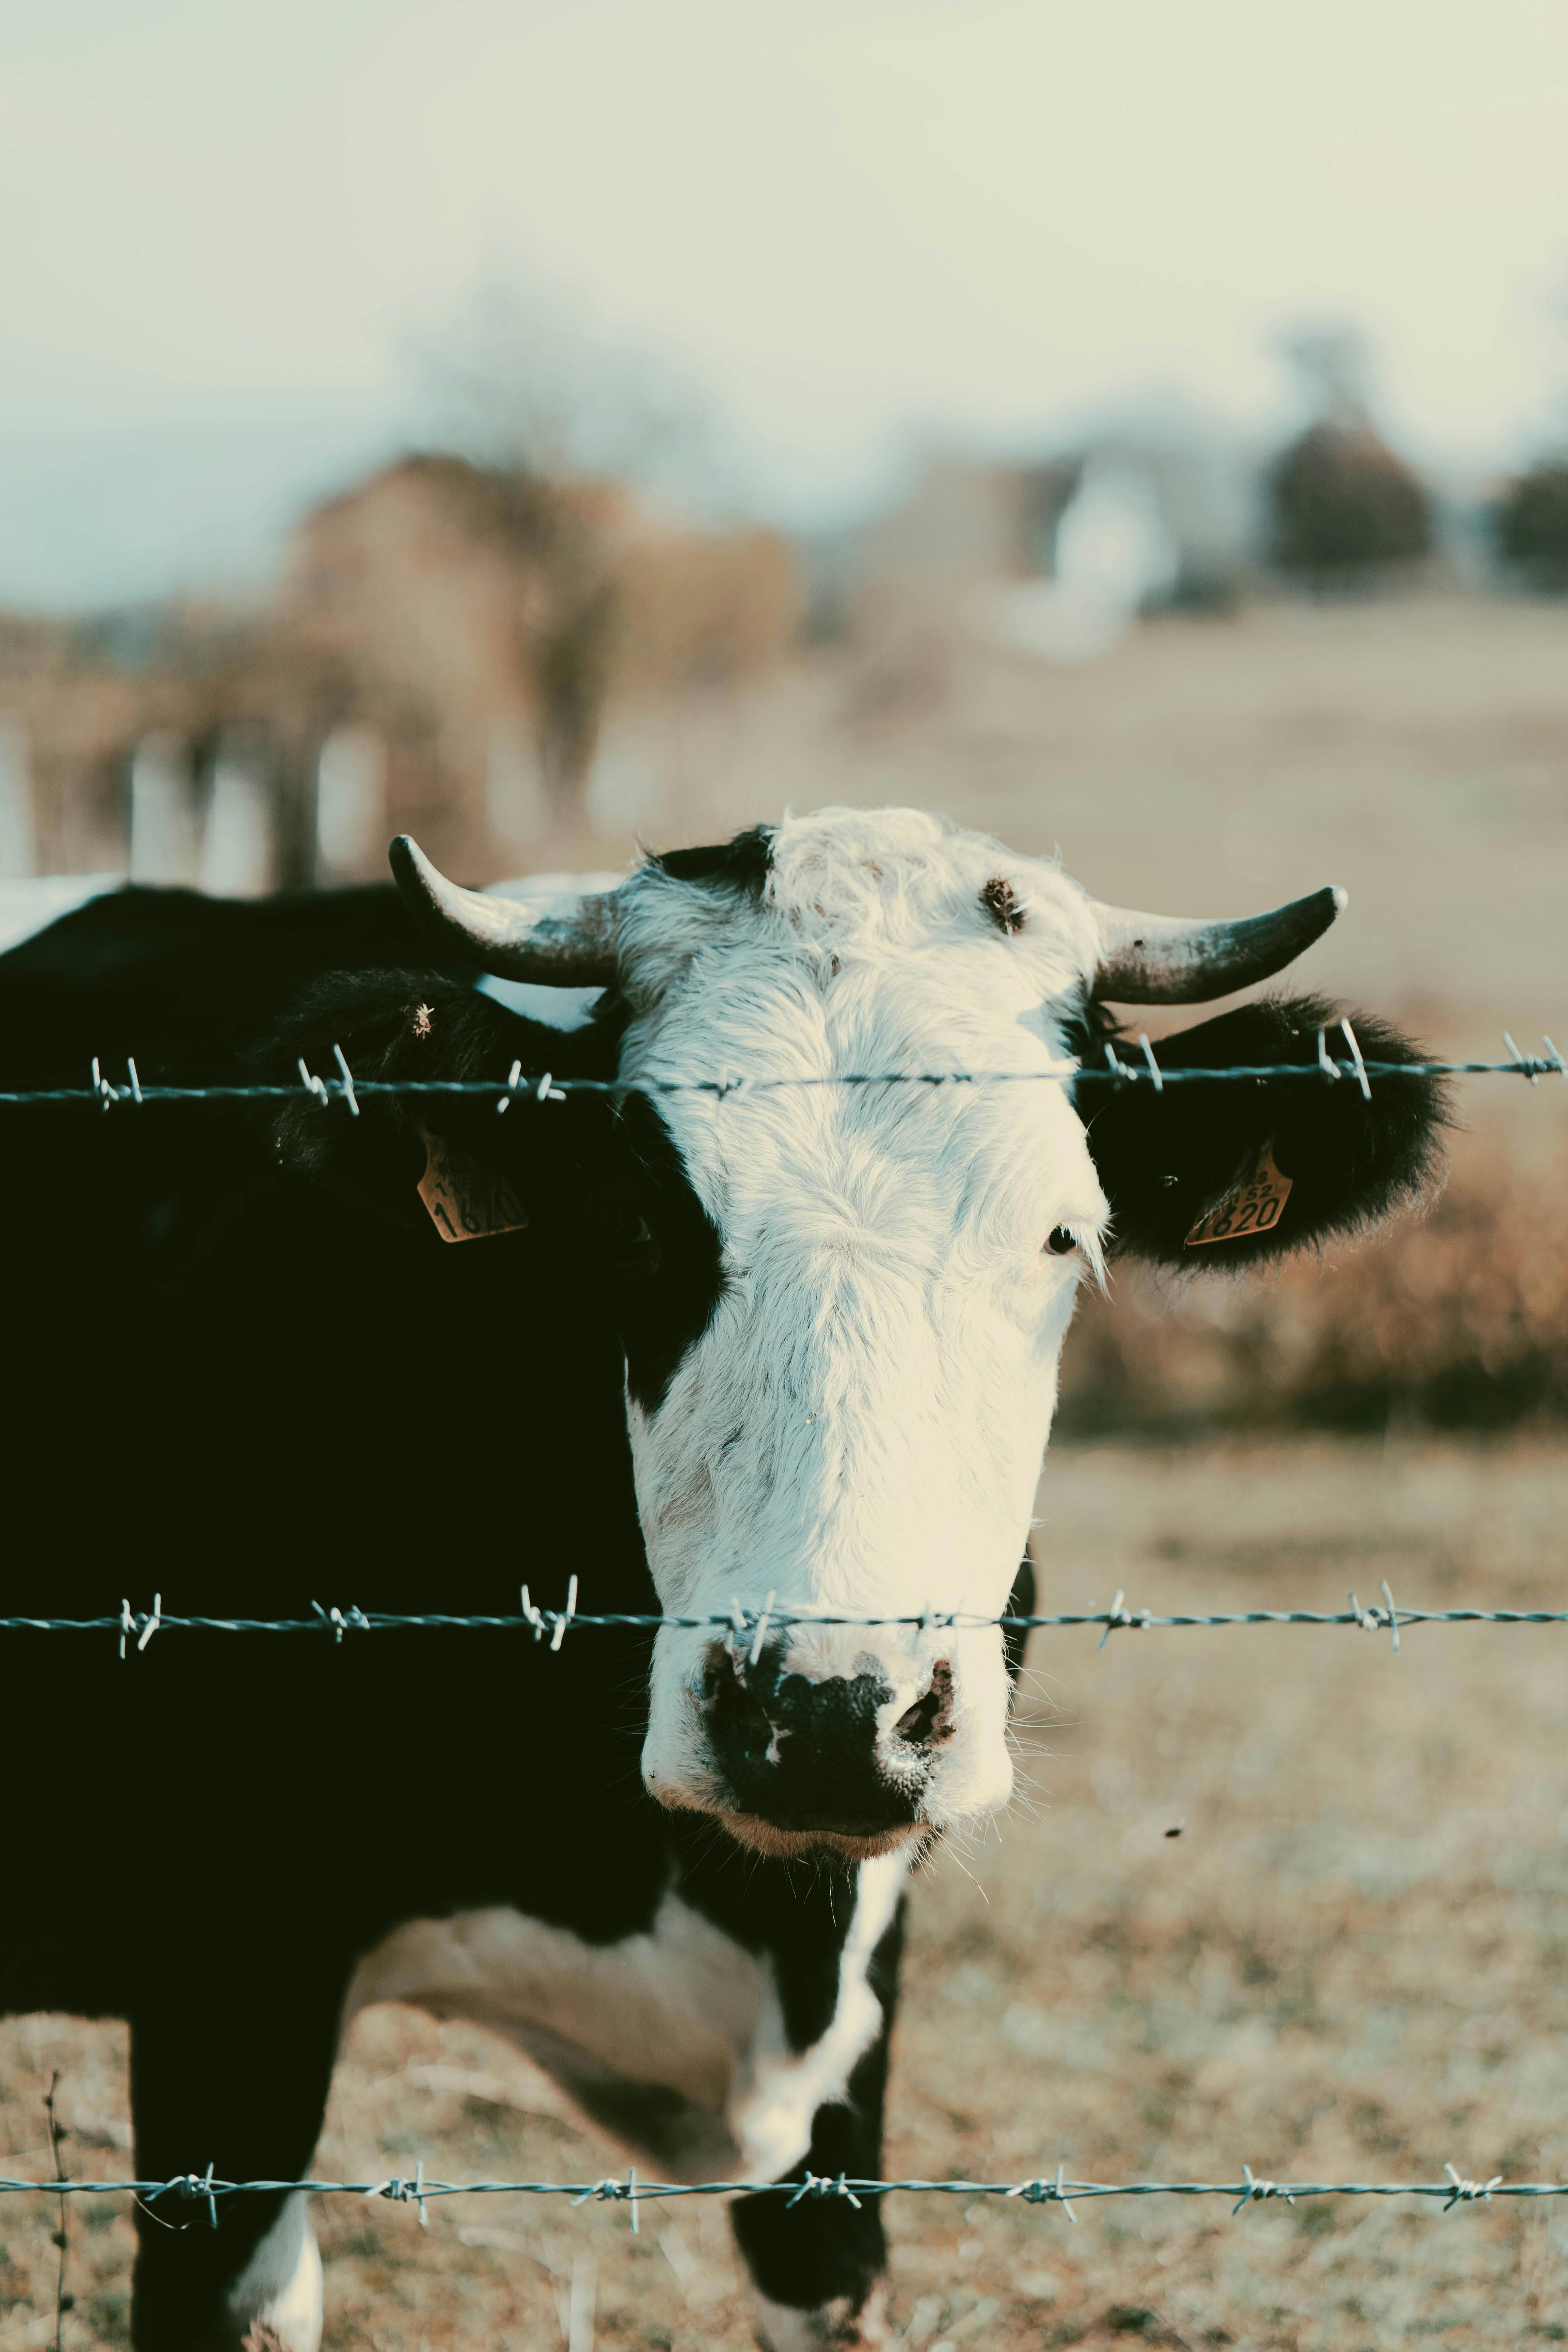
x: 799, y: 1343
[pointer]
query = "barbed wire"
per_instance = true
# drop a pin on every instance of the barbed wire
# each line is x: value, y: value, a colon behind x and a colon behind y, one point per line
x: 748, y: 1628
x: 348, y: 1090
x: 1250, y: 2189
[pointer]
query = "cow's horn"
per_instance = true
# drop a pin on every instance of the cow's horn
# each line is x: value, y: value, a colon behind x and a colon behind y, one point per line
x: 1165, y: 960
x: 570, y: 944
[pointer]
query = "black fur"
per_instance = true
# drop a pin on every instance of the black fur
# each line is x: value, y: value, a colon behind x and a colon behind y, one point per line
x: 1165, y: 1158
x: 744, y: 863
x: 674, y: 1279
x: 602, y: 1174
x: 425, y: 1025
x: 185, y: 982
x: 840, y: 2252
x: 256, y: 1377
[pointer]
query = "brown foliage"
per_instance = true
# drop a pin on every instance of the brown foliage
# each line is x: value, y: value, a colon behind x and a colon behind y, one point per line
x: 1344, y: 505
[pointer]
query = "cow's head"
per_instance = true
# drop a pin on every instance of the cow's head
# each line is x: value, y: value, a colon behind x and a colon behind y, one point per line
x: 843, y: 1303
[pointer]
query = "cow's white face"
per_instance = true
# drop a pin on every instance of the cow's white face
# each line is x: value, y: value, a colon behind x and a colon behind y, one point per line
x: 852, y: 1419
x: 843, y: 1320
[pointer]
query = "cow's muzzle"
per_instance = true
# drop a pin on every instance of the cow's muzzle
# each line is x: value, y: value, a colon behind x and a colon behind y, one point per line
x: 826, y: 1764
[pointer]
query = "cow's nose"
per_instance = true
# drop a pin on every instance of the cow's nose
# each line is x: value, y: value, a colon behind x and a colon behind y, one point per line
x: 805, y: 1756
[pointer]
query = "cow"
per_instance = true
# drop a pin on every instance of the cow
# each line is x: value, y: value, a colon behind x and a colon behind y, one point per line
x: 781, y: 1348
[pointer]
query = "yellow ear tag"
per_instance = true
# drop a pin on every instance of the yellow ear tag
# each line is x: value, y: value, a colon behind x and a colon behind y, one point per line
x: 466, y: 1200
x: 1254, y: 1205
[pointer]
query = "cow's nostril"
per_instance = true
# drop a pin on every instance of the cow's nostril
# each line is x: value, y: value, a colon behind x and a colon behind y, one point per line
x: 929, y: 1721
x: 739, y: 1722
x: 804, y: 1755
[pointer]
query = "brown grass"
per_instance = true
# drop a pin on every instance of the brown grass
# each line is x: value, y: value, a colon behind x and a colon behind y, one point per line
x: 1348, y: 1966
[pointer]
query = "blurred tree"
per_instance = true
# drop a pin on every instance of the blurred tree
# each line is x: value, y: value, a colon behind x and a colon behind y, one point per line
x: 1531, y: 525
x: 1342, y: 506
x: 557, y: 422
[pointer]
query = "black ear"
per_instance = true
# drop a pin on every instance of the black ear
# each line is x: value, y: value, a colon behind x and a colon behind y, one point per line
x: 1187, y: 1171
x: 421, y: 1026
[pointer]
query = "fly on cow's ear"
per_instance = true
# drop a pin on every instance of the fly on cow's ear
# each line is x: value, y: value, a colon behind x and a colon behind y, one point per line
x: 1322, y: 1158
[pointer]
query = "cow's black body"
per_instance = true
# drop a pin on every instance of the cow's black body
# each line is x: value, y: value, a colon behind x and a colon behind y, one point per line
x: 247, y: 1390
x: 246, y: 1374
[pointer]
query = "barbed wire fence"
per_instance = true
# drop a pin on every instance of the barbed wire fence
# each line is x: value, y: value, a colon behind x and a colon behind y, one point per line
x: 349, y: 1091
x: 748, y: 1628
x: 203, y: 2189
x: 134, y: 1629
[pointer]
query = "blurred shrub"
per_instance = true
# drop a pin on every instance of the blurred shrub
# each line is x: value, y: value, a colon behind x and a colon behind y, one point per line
x: 1342, y: 506
x: 1531, y: 525
x: 1455, y: 1320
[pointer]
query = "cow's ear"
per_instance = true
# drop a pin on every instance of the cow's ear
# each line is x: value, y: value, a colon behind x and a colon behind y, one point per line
x: 413, y: 1026
x: 1216, y: 1173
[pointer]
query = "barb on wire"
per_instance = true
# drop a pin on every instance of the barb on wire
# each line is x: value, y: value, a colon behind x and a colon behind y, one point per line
x: 1456, y: 2189
x: 1117, y: 1616
x: 548, y: 1087
x: 1374, y: 1620
x: 1362, y: 1080
x: 1256, y: 2190
x: 1465, y: 2192
x: 347, y: 1078
x: 189, y: 2186
x: 403, y: 2192
x: 818, y: 2185
x: 129, y: 1623
x: 354, y: 1620
x: 624, y: 2192
x: 1046, y: 2193
x: 750, y: 1627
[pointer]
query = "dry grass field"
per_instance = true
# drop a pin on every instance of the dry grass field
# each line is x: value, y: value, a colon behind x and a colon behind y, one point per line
x: 1349, y: 1965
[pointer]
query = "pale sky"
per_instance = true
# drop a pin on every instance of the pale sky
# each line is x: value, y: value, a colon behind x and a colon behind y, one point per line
x: 854, y: 223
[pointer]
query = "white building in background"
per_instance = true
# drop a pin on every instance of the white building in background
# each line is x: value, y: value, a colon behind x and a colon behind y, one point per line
x: 350, y: 805
x: 18, y: 836
x: 164, y: 836
x: 239, y: 841
x: 1054, y: 557
x: 1114, y: 555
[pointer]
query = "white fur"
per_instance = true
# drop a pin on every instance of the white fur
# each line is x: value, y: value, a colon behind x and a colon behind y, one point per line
x: 862, y: 1426
x: 834, y: 2327
x: 675, y: 2007
x: 683, y: 2006
x: 279, y: 2289
x: 779, y: 2091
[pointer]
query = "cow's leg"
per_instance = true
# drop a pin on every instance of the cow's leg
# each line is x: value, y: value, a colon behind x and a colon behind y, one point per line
x: 817, y: 2266
x: 233, y: 2071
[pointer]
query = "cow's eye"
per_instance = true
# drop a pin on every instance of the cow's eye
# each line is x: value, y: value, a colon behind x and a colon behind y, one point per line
x: 1061, y: 1243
